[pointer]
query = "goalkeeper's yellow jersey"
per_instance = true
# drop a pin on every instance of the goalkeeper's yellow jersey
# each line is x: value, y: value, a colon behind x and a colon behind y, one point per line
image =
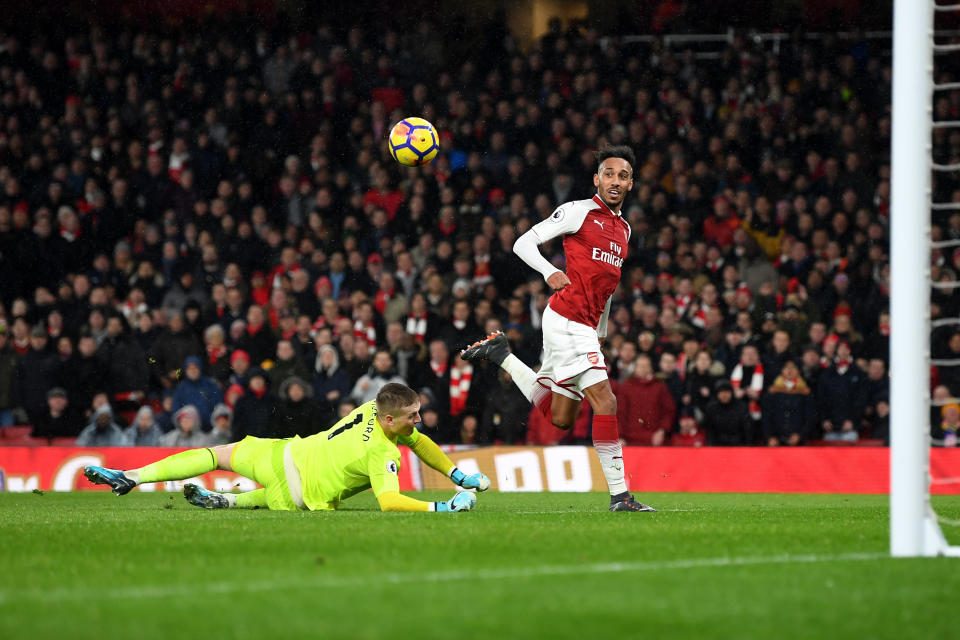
x: 348, y: 458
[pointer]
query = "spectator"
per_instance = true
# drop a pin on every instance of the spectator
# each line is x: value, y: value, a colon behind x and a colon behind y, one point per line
x: 777, y: 354
x: 624, y: 362
x: 946, y: 435
x: 727, y: 422
x: 330, y: 382
x: 102, y: 430
x: 257, y: 340
x: 164, y: 416
x: 174, y: 345
x: 251, y: 415
x: 436, y: 376
x: 670, y: 376
x: 747, y: 380
x: 719, y: 227
x: 504, y: 415
x: 198, y: 391
x: 60, y: 420
x: 381, y: 372
x: 422, y: 324
x: 460, y: 331
x: 9, y: 361
x: 232, y: 394
x: 840, y: 397
x: 123, y: 361
x: 877, y: 387
x: 789, y: 410
x: 217, y: 362
x: 811, y: 367
x: 468, y: 429
x: 36, y: 374
x: 880, y: 420
x: 409, y: 354
x: 688, y: 433
x: 645, y: 408
x: 699, y: 383
x: 144, y: 432
x: 186, y: 432
x: 287, y: 364
x: 222, y: 421
x: 240, y: 367
x: 296, y: 414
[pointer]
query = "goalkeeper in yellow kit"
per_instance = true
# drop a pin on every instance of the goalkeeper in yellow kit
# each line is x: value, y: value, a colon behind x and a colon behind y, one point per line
x: 316, y: 472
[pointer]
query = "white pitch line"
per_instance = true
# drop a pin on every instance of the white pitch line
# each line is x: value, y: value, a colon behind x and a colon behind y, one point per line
x: 49, y: 596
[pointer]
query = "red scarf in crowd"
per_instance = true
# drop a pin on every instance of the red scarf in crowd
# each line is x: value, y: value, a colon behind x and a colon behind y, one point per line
x: 459, y: 388
x: 417, y: 326
x: 439, y: 368
x: 382, y: 298
x: 365, y: 332
x: 215, y: 353
x: 756, y: 383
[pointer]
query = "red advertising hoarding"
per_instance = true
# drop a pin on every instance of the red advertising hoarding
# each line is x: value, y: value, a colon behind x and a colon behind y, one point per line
x: 709, y: 469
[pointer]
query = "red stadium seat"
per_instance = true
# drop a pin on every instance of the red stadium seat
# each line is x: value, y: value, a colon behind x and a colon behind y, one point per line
x: 64, y: 442
x: 16, y: 433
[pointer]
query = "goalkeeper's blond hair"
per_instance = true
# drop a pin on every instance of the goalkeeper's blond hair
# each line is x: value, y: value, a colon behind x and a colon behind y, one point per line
x: 394, y: 396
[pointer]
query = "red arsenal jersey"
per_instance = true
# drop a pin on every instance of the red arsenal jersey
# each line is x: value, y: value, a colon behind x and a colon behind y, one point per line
x: 595, y: 243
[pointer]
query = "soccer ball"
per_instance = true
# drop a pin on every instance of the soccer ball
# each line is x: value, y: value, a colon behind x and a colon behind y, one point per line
x: 413, y: 142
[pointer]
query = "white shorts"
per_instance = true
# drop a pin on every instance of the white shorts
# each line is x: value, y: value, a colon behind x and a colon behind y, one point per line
x: 572, y: 360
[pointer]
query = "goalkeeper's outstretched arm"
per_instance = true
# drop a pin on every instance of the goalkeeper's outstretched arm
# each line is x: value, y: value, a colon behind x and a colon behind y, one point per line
x: 396, y: 501
x: 434, y: 457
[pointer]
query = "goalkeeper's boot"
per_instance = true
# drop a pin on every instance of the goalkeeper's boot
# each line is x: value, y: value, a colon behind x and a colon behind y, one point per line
x: 200, y: 497
x: 625, y: 502
x: 120, y: 483
x: 494, y: 348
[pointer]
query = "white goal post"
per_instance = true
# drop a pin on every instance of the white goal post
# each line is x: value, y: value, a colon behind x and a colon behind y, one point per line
x: 914, y: 530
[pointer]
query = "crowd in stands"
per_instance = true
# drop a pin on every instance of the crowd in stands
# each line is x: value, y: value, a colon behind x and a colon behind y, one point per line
x: 202, y: 235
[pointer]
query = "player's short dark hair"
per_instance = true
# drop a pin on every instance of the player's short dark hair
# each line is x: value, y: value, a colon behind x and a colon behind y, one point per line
x: 616, y: 151
x: 395, y: 396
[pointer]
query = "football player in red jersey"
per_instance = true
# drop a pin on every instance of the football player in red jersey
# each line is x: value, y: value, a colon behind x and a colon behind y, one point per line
x: 595, y: 240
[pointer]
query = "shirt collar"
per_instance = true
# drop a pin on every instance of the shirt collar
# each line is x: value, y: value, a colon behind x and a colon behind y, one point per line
x: 603, y: 205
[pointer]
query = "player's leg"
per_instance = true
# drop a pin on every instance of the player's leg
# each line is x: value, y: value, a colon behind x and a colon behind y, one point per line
x: 606, y: 441
x: 200, y: 497
x: 564, y: 409
x: 241, y: 457
x: 496, y: 349
x: 179, y: 466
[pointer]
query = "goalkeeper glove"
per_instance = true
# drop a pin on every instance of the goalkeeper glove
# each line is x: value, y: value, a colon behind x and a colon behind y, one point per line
x: 463, y: 501
x: 476, y: 481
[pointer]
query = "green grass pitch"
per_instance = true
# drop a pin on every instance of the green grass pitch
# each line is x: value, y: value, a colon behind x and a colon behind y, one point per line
x: 92, y: 565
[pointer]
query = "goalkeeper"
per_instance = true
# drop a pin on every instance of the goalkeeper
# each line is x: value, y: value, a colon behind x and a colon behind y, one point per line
x: 317, y: 472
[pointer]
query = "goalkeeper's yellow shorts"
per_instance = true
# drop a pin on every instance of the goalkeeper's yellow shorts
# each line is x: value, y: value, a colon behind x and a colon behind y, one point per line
x: 261, y: 460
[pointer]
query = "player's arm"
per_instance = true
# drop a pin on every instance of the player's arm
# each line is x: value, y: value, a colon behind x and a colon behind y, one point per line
x: 566, y: 219
x: 434, y: 457
x: 383, y: 469
x: 396, y: 501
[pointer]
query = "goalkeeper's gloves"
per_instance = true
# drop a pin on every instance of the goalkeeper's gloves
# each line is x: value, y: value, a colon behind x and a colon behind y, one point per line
x: 463, y: 501
x: 476, y: 481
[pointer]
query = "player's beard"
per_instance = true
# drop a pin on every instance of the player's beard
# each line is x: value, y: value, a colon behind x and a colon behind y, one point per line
x: 605, y: 196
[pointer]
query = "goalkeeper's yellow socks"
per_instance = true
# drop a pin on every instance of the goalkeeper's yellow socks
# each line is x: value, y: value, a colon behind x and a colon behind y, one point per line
x: 256, y: 499
x: 179, y: 466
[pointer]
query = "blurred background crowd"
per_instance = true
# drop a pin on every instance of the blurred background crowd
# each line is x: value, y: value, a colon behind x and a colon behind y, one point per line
x: 202, y: 235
